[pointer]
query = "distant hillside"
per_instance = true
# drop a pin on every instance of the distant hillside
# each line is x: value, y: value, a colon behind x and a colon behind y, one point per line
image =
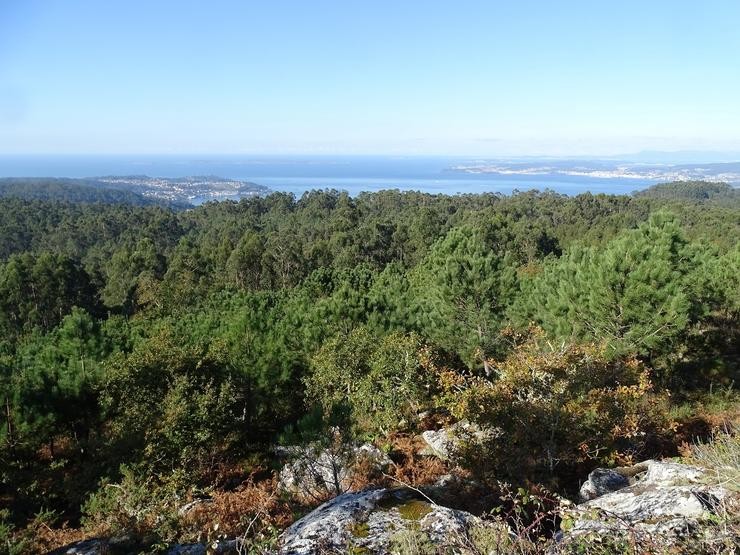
x: 71, y: 190
x: 691, y: 190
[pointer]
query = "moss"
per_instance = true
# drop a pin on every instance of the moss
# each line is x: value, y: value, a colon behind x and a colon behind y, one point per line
x: 414, y: 509
x: 410, y: 509
x: 360, y: 530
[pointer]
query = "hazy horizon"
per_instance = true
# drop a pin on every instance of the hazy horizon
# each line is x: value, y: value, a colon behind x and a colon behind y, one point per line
x: 650, y: 156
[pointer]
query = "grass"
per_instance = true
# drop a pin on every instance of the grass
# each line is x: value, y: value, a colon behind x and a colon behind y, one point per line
x: 721, y: 457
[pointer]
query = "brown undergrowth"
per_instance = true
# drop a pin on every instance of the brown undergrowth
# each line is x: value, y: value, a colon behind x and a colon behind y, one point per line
x: 255, y: 506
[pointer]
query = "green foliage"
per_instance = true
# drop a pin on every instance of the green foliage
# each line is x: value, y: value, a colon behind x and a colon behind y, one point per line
x: 559, y: 406
x: 244, y: 263
x: 381, y: 380
x: 137, y: 504
x: 68, y: 190
x: 52, y: 389
x: 462, y: 291
x: 723, y: 274
x: 165, y: 340
x: 9, y: 544
x: 39, y: 290
x: 691, y: 190
x: 19, y: 542
x: 128, y: 270
x: 173, y: 405
x: 636, y: 293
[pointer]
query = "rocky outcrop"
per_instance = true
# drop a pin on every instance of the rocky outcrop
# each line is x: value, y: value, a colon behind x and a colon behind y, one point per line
x: 313, y: 472
x: 373, y: 521
x: 93, y: 546
x: 602, y: 481
x: 657, y: 501
x: 221, y: 547
x: 113, y: 546
x: 444, y: 442
x: 101, y: 546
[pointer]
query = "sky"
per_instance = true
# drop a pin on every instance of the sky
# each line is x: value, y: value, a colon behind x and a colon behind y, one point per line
x: 395, y: 77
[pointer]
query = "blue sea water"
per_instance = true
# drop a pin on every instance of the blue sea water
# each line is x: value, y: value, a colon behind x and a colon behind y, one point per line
x: 297, y: 174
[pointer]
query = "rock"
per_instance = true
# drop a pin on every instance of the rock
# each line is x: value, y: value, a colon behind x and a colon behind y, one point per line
x: 651, y: 503
x: 313, y: 472
x: 99, y: 546
x: 661, y: 501
x: 102, y: 546
x: 92, y: 546
x: 444, y: 442
x: 330, y: 523
x: 602, y: 481
x: 221, y: 547
x: 668, y: 473
x: 606, y: 480
x: 440, y: 442
x: 371, y: 521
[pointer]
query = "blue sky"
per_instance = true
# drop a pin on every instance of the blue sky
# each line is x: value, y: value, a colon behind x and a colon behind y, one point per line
x: 375, y: 77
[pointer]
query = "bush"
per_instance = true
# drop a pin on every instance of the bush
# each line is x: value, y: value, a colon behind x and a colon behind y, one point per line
x: 554, y: 406
x: 137, y: 505
x: 180, y: 406
x: 383, y: 381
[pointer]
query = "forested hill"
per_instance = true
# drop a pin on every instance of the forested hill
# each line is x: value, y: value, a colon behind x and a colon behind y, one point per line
x: 149, y: 355
x: 693, y: 190
x: 70, y: 190
x: 329, y: 228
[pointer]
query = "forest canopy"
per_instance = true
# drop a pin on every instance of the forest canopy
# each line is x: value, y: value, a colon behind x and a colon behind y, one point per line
x: 173, y: 342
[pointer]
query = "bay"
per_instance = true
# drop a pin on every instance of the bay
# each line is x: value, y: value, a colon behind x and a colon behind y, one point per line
x: 297, y: 174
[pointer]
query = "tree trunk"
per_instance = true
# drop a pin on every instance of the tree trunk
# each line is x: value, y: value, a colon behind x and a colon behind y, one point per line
x: 9, y: 421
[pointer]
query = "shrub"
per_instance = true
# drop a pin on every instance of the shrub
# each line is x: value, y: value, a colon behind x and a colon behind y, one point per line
x: 383, y: 381
x: 137, y: 505
x: 559, y: 405
x: 173, y: 405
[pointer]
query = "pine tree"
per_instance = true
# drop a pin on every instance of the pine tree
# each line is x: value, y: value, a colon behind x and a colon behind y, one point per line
x: 462, y: 290
x: 635, y: 293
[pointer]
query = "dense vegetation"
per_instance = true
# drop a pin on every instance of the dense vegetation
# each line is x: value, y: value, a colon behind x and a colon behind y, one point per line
x: 68, y: 190
x: 160, y: 350
x: 693, y: 190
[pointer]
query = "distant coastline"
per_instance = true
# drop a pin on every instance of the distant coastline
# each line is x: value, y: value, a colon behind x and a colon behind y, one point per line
x: 725, y: 172
x: 233, y: 177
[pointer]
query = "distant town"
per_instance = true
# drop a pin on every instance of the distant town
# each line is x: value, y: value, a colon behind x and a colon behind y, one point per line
x: 716, y: 172
x: 192, y: 189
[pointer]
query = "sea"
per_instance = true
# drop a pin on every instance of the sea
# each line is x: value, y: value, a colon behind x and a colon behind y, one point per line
x: 298, y: 174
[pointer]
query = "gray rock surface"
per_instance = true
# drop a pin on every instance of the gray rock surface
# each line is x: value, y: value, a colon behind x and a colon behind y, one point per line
x: 642, y: 502
x: 223, y: 547
x: 444, y: 442
x: 313, y: 472
x: 440, y: 442
x: 602, y: 481
x: 92, y: 546
x: 669, y: 473
x: 662, y: 500
x: 372, y: 520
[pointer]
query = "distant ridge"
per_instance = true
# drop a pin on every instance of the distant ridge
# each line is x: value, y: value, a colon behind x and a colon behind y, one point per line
x: 73, y: 190
x: 692, y: 190
x: 142, y: 190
